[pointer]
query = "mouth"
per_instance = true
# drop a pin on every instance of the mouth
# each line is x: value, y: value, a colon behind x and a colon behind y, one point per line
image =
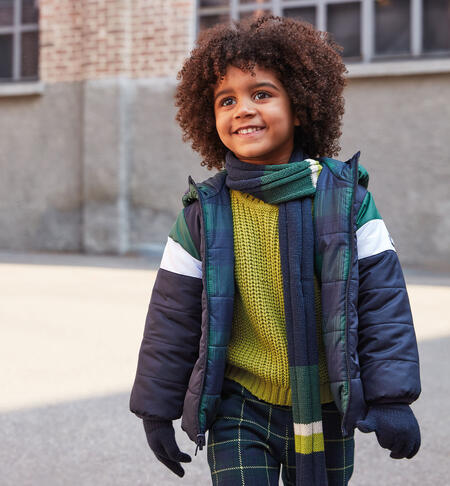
x: 248, y: 130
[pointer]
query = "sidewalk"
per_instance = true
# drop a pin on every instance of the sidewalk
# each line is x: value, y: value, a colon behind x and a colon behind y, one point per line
x: 70, y: 329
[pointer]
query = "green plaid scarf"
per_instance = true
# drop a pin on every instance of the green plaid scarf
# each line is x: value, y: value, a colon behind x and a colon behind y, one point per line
x: 292, y: 186
x: 274, y: 184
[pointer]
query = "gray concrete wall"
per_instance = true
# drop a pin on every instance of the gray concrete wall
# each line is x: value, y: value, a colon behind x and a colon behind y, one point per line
x: 97, y: 167
x: 100, y: 167
x: 135, y: 164
x: 402, y: 126
x: 160, y: 164
x: 40, y: 171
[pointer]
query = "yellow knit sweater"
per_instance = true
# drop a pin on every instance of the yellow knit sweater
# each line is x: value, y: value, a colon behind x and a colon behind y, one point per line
x: 257, y: 354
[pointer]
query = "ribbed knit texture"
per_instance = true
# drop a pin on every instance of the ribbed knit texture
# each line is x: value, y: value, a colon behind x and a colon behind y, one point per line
x: 257, y: 353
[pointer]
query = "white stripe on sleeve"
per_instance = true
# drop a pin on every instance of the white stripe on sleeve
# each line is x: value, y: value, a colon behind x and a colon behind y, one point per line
x: 177, y: 260
x: 373, y: 238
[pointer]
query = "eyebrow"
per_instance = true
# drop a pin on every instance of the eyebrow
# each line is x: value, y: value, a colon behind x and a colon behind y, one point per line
x: 253, y: 86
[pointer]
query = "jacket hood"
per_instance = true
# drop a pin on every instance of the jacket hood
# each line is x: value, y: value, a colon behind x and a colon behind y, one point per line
x: 342, y: 170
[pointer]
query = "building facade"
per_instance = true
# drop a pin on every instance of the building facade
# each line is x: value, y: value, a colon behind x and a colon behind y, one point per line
x: 92, y: 160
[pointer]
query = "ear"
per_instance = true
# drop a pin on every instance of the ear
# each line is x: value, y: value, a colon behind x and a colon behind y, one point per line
x: 296, y: 121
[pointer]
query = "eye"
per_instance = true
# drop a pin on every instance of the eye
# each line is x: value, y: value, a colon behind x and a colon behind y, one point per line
x: 260, y: 95
x: 227, y: 101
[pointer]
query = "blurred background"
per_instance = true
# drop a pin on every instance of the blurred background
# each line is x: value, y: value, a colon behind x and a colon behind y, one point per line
x: 92, y: 169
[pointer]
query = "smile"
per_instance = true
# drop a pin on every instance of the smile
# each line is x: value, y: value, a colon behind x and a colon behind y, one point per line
x: 247, y: 130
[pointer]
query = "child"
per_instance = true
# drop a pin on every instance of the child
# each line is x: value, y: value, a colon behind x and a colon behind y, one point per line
x: 279, y: 320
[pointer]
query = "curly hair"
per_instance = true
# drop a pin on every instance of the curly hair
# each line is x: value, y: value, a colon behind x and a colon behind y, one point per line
x: 306, y: 61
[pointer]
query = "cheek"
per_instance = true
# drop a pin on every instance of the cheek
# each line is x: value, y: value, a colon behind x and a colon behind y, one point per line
x: 221, y: 126
x: 287, y: 122
x: 279, y: 114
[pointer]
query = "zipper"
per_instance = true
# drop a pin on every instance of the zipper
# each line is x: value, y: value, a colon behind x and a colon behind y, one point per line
x: 200, y: 442
x: 200, y: 437
x: 347, y: 361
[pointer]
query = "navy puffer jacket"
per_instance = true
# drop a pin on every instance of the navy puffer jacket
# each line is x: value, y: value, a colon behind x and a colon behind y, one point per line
x: 367, y: 325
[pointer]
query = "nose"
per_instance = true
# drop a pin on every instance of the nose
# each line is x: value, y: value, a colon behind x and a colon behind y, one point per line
x: 244, y: 109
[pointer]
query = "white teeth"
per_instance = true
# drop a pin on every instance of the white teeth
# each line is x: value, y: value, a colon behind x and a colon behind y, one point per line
x: 249, y: 130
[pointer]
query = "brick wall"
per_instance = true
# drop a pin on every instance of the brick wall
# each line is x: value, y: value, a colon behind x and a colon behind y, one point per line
x: 93, y: 39
x: 60, y: 26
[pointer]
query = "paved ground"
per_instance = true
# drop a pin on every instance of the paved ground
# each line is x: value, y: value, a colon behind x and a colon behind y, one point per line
x: 70, y: 328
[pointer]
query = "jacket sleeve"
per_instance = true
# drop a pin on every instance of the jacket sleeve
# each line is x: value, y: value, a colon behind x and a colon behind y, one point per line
x: 172, y: 331
x: 387, y: 347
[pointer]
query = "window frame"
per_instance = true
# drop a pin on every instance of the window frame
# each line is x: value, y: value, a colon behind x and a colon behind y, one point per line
x: 367, y: 23
x: 16, y: 30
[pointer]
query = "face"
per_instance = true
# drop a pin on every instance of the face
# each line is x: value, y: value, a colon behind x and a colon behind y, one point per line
x: 254, y: 116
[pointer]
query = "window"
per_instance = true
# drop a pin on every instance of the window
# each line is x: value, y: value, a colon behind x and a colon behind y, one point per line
x: 392, y: 27
x: 343, y: 20
x: 436, y: 21
x: 19, y: 40
x: 368, y: 30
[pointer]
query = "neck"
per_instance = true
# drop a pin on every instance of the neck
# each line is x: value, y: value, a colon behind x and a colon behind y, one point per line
x: 269, y: 158
x: 295, y: 155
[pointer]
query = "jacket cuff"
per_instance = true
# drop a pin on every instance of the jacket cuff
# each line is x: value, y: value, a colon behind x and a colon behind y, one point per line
x: 151, y: 425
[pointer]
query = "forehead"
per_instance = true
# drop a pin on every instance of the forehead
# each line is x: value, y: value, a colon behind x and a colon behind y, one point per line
x: 238, y: 78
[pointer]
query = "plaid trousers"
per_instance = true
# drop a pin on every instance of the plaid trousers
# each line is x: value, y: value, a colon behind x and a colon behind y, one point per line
x: 250, y: 440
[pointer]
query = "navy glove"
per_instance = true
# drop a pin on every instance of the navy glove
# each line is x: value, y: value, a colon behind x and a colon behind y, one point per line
x: 161, y: 439
x: 396, y: 428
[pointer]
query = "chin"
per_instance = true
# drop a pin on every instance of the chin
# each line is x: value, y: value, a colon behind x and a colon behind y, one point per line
x: 250, y: 153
